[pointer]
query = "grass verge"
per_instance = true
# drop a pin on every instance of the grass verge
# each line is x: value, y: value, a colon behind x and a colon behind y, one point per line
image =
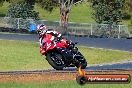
x: 20, y: 55
x: 24, y: 55
x: 99, y: 56
x: 62, y: 84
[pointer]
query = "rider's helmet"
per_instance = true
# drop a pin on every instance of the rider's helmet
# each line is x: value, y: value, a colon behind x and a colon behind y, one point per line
x: 41, y: 29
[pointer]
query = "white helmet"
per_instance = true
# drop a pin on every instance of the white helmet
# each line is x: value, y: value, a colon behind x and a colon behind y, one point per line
x: 41, y: 28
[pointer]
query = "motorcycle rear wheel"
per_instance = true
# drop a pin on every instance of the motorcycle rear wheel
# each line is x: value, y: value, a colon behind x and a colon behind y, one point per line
x: 55, y: 60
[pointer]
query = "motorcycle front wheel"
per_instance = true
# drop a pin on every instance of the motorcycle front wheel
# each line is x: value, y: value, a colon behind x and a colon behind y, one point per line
x: 55, y: 60
x: 81, y: 61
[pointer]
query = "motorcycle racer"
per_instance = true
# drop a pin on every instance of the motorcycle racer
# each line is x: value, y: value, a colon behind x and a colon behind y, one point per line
x: 46, y: 36
x: 59, y: 51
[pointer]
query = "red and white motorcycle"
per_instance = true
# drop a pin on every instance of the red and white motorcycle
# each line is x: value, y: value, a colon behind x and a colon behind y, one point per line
x: 62, y: 53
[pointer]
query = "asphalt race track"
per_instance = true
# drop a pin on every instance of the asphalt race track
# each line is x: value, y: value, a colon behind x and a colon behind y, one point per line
x: 117, y: 44
x: 109, y: 43
x: 115, y: 66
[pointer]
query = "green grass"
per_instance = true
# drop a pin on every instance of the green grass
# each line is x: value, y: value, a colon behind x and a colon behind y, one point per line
x: 23, y: 55
x: 4, y: 9
x: 45, y: 15
x: 60, y: 84
x: 20, y: 55
x: 79, y: 13
x: 98, y: 56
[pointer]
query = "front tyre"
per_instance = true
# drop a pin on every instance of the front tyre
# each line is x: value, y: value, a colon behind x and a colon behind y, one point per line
x: 55, y: 60
x: 80, y: 61
x: 83, y: 64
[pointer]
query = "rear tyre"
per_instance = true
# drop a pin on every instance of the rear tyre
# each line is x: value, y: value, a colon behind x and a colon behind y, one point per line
x: 55, y: 60
x: 84, y: 65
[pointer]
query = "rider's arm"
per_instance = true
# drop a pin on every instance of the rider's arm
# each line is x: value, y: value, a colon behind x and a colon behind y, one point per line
x: 53, y: 33
x: 40, y: 41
